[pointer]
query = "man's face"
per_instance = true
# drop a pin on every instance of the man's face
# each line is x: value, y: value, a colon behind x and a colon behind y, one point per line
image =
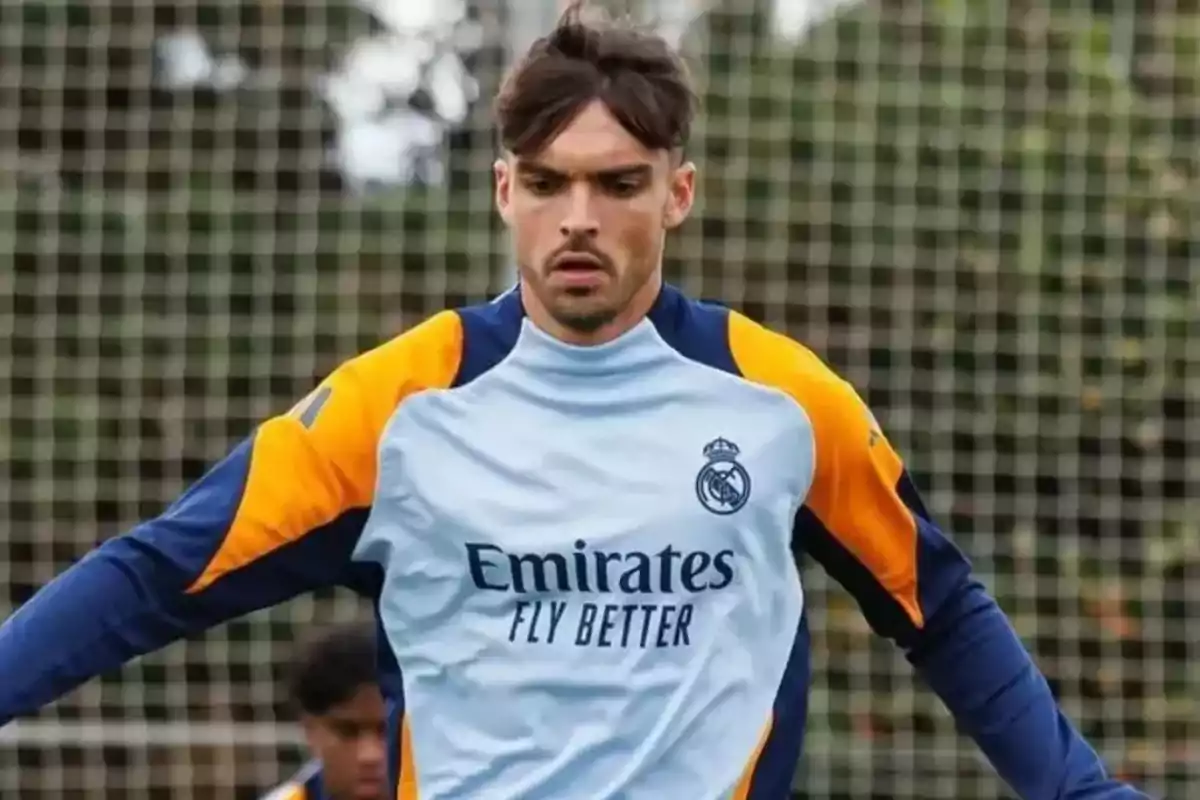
x: 350, y: 741
x: 588, y: 217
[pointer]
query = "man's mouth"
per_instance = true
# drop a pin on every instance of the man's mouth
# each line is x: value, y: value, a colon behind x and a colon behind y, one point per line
x: 581, y: 262
x: 578, y: 271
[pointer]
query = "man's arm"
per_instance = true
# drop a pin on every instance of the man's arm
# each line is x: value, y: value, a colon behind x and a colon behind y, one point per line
x: 864, y: 522
x: 278, y: 517
x: 867, y: 526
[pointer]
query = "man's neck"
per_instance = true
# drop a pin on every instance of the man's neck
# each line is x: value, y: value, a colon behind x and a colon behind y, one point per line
x: 634, y: 312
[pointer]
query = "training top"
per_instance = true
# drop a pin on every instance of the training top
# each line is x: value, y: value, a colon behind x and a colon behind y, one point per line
x: 583, y: 561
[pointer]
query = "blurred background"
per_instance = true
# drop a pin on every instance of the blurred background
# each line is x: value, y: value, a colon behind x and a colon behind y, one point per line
x: 984, y: 213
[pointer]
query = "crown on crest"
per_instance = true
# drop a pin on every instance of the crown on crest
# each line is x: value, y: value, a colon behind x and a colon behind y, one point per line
x: 721, y: 450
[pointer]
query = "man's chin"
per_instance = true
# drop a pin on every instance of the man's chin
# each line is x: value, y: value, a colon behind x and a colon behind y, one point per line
x: 369, y: 789
x: 583, y: 314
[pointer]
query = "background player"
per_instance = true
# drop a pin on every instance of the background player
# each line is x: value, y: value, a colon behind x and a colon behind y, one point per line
x: 333, y: 686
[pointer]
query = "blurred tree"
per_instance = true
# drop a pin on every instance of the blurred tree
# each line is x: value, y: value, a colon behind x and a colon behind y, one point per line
x: 94, y: 103
x: 972, y: 193
x: 179, y: 214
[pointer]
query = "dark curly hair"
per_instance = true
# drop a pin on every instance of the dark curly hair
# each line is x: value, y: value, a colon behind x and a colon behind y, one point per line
x: 330, y: 667
x: 636, y: 74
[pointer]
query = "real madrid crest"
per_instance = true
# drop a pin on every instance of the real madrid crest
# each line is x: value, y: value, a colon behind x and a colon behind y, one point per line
x: 722, y: 485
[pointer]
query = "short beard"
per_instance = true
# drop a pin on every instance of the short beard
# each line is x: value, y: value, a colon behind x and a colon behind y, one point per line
x: 585, y: 323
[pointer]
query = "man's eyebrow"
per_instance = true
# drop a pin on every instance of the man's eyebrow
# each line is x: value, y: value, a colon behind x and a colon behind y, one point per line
x: 534, y: 168
x: 625, y: 171
x: 608, y: 173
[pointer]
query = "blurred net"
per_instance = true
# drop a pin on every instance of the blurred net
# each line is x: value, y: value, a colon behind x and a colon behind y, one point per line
x: 982, y: 213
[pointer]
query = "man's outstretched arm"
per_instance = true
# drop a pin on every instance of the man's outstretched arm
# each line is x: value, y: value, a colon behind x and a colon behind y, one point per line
x: 867, y: 526
x: 275, y: 518
x: 970, y: 655
x: 863, y: 521
x: 279, y: 516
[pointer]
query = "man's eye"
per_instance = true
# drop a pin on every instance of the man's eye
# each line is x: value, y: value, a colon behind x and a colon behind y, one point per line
x: 624, y: 187
x: 542, y: 186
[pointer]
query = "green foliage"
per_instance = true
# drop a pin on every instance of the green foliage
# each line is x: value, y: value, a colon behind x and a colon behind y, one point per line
x: 983, y: 211
x: 169, y: 242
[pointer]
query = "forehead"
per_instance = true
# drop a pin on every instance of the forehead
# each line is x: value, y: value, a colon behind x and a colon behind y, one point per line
x: 367, y: 701
x: 595, y: 140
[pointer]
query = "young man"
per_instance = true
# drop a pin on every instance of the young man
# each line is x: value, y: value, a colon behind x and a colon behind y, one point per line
x: 576, y: 506
x: 333, y: 685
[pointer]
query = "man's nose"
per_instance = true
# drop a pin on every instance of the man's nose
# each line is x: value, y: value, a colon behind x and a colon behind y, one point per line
x: 371, y: 750
x: 580, y: 218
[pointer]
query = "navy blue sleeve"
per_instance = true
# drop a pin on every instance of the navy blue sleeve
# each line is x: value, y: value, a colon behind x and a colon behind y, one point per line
x: 965, y: 649
x: 863, y: 521
x: 208, y: 558
x: 971, y: 657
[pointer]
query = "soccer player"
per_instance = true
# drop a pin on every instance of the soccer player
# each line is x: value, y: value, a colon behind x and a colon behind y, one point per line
x: 576, y: 506
x: 334, y: 687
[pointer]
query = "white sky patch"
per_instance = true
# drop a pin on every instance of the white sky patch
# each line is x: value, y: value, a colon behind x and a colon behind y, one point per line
x: 185, y: 61
x: 382, y: 141
x: 792, y: 20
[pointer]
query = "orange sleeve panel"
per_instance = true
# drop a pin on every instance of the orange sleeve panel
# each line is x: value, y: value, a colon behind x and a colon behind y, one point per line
x: 277, y: 517
x: 745, y: 784
x: 406, y: 786
x: 318, y: 461
x: 861, y: 518
x: 291, y: 791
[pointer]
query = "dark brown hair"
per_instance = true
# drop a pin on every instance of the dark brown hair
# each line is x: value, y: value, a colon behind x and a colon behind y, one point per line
x: 636, y: 74
x: 332, y: 666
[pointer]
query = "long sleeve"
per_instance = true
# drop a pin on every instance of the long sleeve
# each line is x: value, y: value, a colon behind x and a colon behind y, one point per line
x: 864, y: 522
x: 279, y: 516
x: 970, y: 655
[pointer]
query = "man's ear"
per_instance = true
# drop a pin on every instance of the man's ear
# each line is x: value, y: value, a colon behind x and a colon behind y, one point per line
x: 503, y: 175
x: 682, y: 195
x: 309, y: 725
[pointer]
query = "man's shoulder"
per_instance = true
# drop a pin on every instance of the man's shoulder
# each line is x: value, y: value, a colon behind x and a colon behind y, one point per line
x: 712, y: 333
x: 771, y: 358
x: 373, y: 383
x: 304, y: 785
x: 832, y: 404
x: 428, y: 352
x: 286, y: 791
x: 444, y: 349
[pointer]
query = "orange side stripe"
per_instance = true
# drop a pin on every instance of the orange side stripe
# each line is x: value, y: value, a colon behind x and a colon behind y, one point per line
x: 854, y: 488
x: 743, y: 788
x: 406, y: 789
